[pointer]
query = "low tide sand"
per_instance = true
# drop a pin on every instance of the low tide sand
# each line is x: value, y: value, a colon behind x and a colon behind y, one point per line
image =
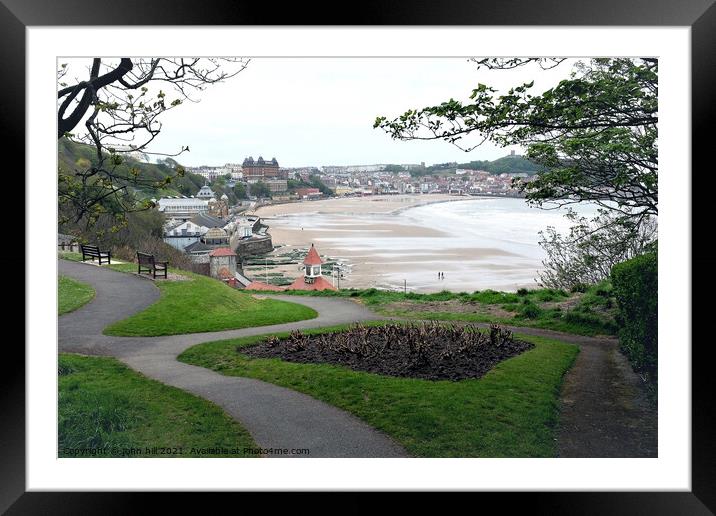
x: 387, y: 250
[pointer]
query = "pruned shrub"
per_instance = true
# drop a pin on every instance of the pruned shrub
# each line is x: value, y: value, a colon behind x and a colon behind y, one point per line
x: 635, y: 285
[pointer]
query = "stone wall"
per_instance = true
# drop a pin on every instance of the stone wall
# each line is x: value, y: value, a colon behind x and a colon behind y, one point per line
x: 252, y: 246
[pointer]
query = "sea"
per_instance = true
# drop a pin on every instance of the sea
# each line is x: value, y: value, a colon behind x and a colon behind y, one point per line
x: 479, y: 243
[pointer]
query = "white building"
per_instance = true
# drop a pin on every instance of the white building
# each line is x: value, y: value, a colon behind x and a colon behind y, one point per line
x: 184, y: 234
x: 182, y: 208
x: 205, y: 193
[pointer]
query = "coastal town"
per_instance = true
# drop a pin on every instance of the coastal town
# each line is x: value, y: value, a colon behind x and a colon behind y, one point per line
x: 314, y: 278
x: 208, y: 226
x: 377, y: 179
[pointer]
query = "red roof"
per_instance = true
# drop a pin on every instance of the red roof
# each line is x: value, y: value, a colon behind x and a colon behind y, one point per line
x: 260, y: 285
x: 312, y: 257
x: 222, y: 251
x: 319, y: 283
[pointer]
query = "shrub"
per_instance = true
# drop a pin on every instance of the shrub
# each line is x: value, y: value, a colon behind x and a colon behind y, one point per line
x: 635, y: 285
x: 530, y: 311
x: 522, y: 292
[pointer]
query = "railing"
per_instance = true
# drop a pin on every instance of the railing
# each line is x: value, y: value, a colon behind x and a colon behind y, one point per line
x: 68, y: 246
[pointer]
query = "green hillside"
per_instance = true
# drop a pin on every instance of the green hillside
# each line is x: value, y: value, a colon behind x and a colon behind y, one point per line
x: 499, y: 166
x: 504, y: 164
x: 73, y: 155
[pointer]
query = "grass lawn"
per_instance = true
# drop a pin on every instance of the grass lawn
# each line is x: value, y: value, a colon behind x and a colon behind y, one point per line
x: 107, y: 407
x: 72, y: 294
x: 588, y: 313
x: 69, y: 255
x: 510, y: 412
x: 574, y: 324
x: 202, y: 304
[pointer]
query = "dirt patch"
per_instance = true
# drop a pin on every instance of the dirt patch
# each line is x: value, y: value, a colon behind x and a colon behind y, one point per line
x: 567, y: 304
x: 428, y: 351
x: 452, y: 306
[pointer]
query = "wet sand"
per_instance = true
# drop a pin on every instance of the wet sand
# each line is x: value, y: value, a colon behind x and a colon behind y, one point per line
x: 385, y: 246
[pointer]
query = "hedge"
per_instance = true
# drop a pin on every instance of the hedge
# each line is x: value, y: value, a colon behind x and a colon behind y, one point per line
x: 635, y: 288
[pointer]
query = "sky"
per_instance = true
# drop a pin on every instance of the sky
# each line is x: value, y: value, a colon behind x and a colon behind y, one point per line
x: 320, y: 111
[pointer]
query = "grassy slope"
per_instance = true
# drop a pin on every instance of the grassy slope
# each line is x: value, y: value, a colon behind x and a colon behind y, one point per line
x: 105, y: 405
x: 72, y: 294
x: 510, y: 412
x: 204, y: 304
x: 69, y: 153
x: 586, y: 318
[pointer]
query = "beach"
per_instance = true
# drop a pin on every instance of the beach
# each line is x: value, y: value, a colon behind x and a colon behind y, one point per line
x: 404, y: 241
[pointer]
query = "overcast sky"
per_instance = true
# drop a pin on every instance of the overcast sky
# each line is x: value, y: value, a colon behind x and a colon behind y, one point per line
x: 320, y: 111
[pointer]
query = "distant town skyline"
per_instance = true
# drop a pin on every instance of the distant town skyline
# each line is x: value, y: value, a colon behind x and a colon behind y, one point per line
x: 320, y: 111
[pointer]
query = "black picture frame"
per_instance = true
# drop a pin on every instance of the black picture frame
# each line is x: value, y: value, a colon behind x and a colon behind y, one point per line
x: 700, y: 15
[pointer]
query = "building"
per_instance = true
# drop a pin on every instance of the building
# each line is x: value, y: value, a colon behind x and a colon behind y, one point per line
x: 205, y: 193
x: 182, y: 208
x: 307, y: 193
x: 219, y: 208
x: 222, y: 265
x: 260, y: 169
x: 204, y: 219
x: 277, y: 185
x: 216, y: 237
x: 312, y: 278
x: 198, y: 251
x: 184, y: 234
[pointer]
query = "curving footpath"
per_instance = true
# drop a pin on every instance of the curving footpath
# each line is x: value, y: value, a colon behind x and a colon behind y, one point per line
x: 276, y: 417
x: 604, y: 408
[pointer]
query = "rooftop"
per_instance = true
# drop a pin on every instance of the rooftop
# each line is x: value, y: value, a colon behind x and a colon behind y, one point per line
x: 320, y: 283
x: 312, y: 258
x: 222, y: 251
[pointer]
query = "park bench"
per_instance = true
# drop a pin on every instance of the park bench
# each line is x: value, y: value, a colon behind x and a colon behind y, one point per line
x: 147, y: 263
x: 93, y: 252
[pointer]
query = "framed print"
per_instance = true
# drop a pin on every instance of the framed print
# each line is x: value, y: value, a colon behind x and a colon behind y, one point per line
x: 419, y: 252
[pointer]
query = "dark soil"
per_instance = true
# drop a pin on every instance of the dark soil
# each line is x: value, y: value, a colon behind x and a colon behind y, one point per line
x: 431, y: 355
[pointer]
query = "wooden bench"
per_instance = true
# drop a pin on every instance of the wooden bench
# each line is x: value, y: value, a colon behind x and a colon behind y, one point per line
x: 93, y: 252
x: 147, y: 263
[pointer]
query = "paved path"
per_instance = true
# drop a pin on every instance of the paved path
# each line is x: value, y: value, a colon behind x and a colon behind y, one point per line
x: 604, y: 409
x: 276, y: 417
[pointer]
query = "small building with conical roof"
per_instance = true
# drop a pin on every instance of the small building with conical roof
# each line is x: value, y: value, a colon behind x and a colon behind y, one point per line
x: 312, y: 276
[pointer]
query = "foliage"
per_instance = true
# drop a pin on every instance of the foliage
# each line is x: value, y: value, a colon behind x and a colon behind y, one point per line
x: 240, y: 191
x: 594, y: 137
x: 635, y: 284
x: 503, y: 165
x: 595, y: 133
x: 512, y: 411
x: 586, y: 256
x: 141, y: 231
x: 105, y: 408
x: 117, y: 109
x: 260, y: 190
x: 482, y: 305
x: 414, y: 339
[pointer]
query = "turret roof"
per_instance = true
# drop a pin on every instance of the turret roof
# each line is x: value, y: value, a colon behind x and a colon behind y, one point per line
x: 312, y: 258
